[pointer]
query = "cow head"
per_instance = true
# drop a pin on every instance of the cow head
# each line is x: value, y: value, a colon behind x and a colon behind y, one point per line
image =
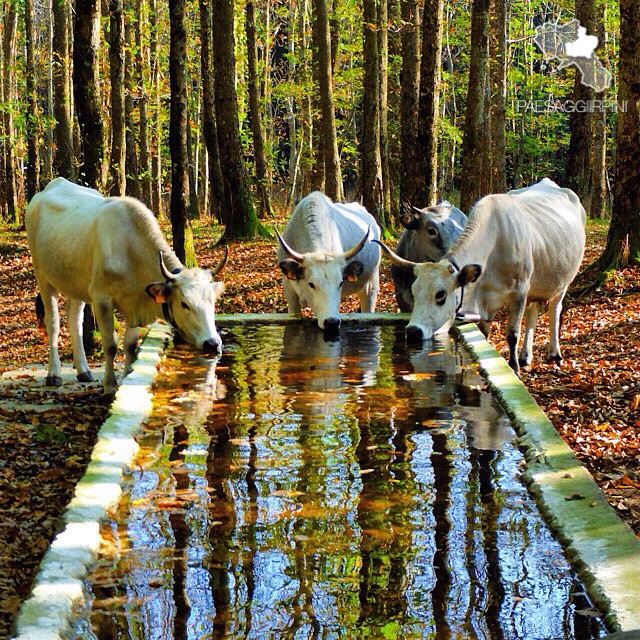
x: 435, y: 293
x: 318, y: 279
x: 437, y: 227
x: 188, y: 298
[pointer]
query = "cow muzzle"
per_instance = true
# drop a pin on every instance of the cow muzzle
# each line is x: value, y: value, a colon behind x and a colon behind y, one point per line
x: 212, y: 346
x: 331, y: 325
x: 414, y: 333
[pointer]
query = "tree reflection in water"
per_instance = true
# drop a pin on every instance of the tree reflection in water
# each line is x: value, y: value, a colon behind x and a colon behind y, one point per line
x: 355, y: 488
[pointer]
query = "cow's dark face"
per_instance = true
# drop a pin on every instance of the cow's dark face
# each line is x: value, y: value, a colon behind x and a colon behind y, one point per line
x: 190, y: 299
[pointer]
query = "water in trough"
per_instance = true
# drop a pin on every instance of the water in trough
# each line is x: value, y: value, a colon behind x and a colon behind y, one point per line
x: 303, y: 488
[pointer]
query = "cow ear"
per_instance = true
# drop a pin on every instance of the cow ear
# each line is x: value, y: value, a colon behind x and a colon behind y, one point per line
x: 353, y: 271
x: 410, y: 218
x: 159, y: 291
x: 469, y: 273
x: 292, y: 269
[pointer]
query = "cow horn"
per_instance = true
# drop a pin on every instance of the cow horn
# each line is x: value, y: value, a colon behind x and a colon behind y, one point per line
x: 220, y: 267
x: 396, y: 259
x: 416, y: 209
x: 298, y: 257
x: 166, y: 274
x: 358, y: 248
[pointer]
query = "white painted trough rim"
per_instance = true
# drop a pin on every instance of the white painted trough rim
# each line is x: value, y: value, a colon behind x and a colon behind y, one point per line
x: 58, y: 587
x: 606, y: 554
x: 602, y: 547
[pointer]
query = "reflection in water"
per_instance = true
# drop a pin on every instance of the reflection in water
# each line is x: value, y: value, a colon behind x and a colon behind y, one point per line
x: 303, y: 488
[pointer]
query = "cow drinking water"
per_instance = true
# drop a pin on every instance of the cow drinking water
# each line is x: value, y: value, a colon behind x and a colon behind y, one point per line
x: 324, y: 256
x: 518, y: 249
x: 429, y: 234
x: 110, y: 252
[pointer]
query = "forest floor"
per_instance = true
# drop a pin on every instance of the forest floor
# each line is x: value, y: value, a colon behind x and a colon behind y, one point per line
x: 46, y: 436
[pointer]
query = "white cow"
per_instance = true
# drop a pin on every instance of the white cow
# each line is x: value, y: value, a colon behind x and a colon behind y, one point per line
x: 518, y: 249
x: 316, y: 255
x: 110, y: 252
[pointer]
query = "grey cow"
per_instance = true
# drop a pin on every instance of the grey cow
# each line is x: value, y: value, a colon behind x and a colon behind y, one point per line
x: 325, y: 255
x: 429, y: 234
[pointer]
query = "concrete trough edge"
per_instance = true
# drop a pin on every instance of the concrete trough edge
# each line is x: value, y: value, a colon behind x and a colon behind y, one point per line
x: 603, y: 548
x: 58, y: 587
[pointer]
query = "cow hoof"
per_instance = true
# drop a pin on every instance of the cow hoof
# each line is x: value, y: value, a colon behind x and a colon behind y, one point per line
x: 53, y: 381
x: 515, y: 366
x: 86, y: 376
x: 524, y: 364
x: 557, y: 360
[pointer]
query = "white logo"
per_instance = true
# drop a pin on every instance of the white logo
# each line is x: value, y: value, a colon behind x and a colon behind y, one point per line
x: 570, y: 44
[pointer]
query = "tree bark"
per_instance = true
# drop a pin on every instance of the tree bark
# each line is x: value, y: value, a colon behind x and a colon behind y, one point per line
x: 132, y: 177
x: 86, y: 89
x: 259, y: 155
x: 581, y: 124
x: 180, y: 225
x: 623, y: 241
x: 64, y: 156
x: 8, y: 179
x: 498, y: 26
x: 383, y: 52
x: 428, y: 109
x: 372, y: 197
x: 32, y: 170
x: 142, y: 70
x: 209, y: 126
x: 117, y: 168
x: 475, y: 180
x: 238, y: 212
x: 333, y: 174
x: 156, y: 161
x: 409, y: 100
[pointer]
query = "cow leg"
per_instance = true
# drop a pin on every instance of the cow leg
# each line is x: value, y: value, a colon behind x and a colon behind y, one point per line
x: 130, y: 347
x: 104, y: 315
x: 52, y: 324
x: 75, y: 311
x: 516, y: 313
x: 368, y: 295
x: 554, y: 313
x: 530, y: 323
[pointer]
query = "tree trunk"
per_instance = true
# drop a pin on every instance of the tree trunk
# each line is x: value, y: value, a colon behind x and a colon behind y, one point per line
x: 371, y: 161
x: 333, y: 175
x: 409, y: 100
x: 64, y: 156
x: 383, y: 51
x: 623, y: 242
x: 180, y: 225
x: 8, y: 179
x: 86, y: 86
x: 475, y: 181
x: 156, y: 161
x: 428, y: 109
x: 117, y: 167
x: 318, y: 169
x: 209, y: 126
x: 581, y: 124
x: 142, y: 69
x: 131, y: 88
x: 259, y: 155
x: 498, y: 26
x: 238, y: 212
x: 32, y: 170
